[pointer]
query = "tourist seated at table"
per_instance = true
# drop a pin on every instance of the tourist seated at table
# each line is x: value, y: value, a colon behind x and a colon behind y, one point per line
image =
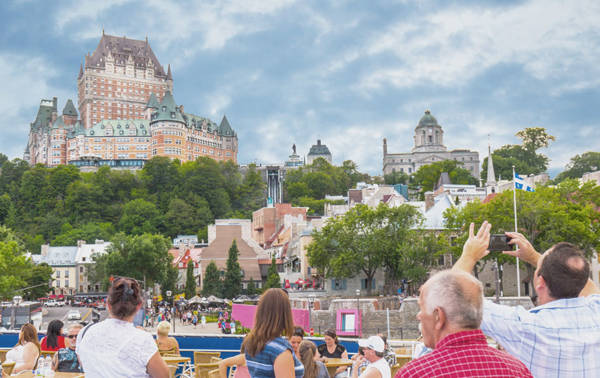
x: 239, y: 361
x: 333, y: 349
x: 25, y: 354
x: 267, y: 353
x: 115, y: 347
x: 54, y: 339
x: 312, y: 367
x: 450, y: 311
x: 296, y: 339
x: 373, y: 352
x: 361, y: 367
x: 65, y: 359
x: 166, y: 345
x: 388, y: 353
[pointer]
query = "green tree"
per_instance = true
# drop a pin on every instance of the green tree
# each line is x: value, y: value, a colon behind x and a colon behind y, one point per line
x: 15, y: 267
x: 580, y: 164
x: 251, y: 193
x: 273, y: 279
x: 190, y: 280
x: 251, y: 289
x: 232, y: 286
x: 396, y: 178
x: 427, y: 176
x: 139, y: 216
x: 169, y: 281
x: 38, y: 281
x: 212, y: 284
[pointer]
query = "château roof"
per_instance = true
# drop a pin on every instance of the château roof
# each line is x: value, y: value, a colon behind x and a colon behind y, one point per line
x: 427, y: 120
x: 120, y: 127
x: 224, y: 128
x: 168, y: 110
x: 121, y: 48
x: 69, y: 109
x: 319, y: 149
x: 44, y: 114
x: 152, y: 102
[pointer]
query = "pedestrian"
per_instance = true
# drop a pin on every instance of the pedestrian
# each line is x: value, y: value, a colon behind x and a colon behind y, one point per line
x: 203, y: 321
x: 195, y: 320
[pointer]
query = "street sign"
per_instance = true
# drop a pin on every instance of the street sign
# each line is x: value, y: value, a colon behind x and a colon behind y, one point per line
x: 169, y: 293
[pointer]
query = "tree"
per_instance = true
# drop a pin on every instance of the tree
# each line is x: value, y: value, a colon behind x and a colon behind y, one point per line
x: 139, y: 216
x: 190, y: 280
x: 580, y: 164
x: 251, y: 289
x: 38, y: 280
x: 15, y: 267
x: 232, y: 286
x: 427, y: 176
x: 273, y: 279
x: 251, y: 194
x: 212, y: 284
x: 524, y: 157
x: 364, y: 241
x: 396, y: 178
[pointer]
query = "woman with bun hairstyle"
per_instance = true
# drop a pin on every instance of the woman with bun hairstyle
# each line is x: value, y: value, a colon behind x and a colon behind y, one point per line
x: 115, y: 347
x: 267, y: 353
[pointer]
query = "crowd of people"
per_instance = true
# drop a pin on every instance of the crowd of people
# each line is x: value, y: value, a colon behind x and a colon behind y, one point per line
x: 558, y: 338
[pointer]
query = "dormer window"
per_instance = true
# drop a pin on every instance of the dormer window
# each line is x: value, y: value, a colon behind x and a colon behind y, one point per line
x: 164, y: 108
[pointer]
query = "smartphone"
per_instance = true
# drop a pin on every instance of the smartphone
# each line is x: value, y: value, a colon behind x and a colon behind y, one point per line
x: 499, y: 242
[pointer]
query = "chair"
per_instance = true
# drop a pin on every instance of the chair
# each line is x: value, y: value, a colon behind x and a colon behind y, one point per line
x: 215, y: 359
x: 214, y: 373
x: 232, y: 370
x: 45, y: 353
x: 201, y: 357
x: 395, y: 368
x: 202, y: 369
x: 7, y: 367
x: 3, y: 354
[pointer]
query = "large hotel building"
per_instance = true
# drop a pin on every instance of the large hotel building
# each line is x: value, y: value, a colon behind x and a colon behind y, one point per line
x: 127, y: 115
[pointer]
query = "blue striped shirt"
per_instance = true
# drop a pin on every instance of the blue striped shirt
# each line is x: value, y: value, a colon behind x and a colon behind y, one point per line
x: 261, y: 365
x: 558, y: 339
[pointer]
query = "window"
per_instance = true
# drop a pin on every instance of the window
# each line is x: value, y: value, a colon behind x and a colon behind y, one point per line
x: 338, y: 284
x: 58, y: 274
x: 66, y: 274
x: 66, y: 283
x: 363, y: 283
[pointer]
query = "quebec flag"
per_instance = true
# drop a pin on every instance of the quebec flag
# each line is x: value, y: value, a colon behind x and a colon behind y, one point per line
x: 522, y: 184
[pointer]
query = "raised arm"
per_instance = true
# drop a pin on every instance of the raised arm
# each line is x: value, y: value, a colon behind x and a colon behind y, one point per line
x: 475, y: 248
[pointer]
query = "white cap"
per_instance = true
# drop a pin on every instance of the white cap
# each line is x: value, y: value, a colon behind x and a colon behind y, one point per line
x: 374, y: 342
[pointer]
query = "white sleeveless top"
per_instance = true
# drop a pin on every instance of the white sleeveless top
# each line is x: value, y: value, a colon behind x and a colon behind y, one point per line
x: 381, y: 365
x: 115, y: 348
x: 16, y: 354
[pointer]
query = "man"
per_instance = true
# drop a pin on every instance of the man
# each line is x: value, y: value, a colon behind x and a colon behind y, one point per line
x: 450, y: 311
x: 560, y: 337
x: 66, y: 360
x: 374, y: 349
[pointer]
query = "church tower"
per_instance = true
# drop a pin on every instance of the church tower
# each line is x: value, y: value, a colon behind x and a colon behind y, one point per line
x: 429, y: 136
x: 490, y: 182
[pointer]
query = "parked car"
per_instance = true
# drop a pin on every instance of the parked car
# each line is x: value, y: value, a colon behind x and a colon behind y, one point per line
x: 74, y: 315
x: 51, y: 303
x: 60, y: 303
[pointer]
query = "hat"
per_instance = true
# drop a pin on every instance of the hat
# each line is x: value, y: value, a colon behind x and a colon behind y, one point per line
x: 374, y: 342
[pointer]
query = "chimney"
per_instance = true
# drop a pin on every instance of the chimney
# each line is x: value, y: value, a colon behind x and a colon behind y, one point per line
x: 45, y: 248
x: 80, y: 243
x: 429, y: 200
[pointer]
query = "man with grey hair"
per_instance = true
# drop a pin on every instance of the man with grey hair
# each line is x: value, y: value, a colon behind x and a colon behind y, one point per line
x: 66, y: 360
x: 451, y: 309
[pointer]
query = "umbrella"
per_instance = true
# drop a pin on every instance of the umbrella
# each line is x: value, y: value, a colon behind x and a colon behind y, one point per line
x: 213, y: 299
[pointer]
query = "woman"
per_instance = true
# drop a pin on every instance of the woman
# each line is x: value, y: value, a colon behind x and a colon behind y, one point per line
x: 267, y: 353
x: 54, y: 339
x: 25, y: 354
x: 166, y: 345
x: 296, y: 339
x: 312, y: 368
x: 115, y: 347
x: 333, y: 349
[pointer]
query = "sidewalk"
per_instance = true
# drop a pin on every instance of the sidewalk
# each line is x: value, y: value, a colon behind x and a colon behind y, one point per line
x: 210, y: 328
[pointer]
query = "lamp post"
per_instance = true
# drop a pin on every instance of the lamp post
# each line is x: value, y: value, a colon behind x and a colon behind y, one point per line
x: 16, y: 301
x: 311, y: 301
x: 357, y: 322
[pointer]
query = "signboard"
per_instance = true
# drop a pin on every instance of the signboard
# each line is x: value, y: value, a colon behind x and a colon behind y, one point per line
x: 169, y: 293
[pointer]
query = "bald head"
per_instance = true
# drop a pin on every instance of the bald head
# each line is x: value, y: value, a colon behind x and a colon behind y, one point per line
x: 459, y: 294
x: 565, y: 270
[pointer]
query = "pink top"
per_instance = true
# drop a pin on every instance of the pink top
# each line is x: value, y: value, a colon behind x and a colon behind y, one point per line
x: 242, y: 372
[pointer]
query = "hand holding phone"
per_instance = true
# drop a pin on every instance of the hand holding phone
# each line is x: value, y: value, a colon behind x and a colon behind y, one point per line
x: 499, y: 242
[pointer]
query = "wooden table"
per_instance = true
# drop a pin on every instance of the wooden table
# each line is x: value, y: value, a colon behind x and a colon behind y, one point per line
x: 333, y: 364
x: 174, y: 361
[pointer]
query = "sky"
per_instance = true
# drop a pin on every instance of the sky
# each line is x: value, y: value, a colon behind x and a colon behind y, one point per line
x: 347, y: 72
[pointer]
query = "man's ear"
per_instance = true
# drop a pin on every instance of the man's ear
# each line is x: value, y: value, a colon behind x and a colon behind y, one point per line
x: 440, y: 318
x: 541, y: 285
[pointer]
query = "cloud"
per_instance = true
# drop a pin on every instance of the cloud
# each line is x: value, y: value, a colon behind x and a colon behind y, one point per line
x: 26, y: 80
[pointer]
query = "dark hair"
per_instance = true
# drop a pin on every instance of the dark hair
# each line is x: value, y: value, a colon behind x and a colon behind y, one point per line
x: 123, y: 297
x: 331, y: 333
x: 298, y: 331
x: 273, y: 319
x: 54, y: 328
x: 565, y: 270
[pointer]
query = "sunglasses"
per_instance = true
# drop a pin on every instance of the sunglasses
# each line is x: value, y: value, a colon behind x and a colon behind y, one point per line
x: 71, y: 336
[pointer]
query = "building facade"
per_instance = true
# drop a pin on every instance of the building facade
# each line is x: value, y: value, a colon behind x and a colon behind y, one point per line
x: 318, y: 151
x: 128, y: 115
x: 428, y: 148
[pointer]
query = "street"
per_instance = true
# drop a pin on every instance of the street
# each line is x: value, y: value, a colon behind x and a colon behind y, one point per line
x: 60, y: 313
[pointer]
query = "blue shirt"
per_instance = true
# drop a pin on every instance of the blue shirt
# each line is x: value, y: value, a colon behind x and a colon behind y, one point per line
x: 67, y: 361
x: 557, y: 339
x: 261, y: 365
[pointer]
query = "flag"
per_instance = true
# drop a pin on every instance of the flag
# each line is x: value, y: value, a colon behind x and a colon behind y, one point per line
x: 522, y: 184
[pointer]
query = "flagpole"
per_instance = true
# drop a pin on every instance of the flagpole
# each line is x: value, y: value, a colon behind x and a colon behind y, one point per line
x: 516, y: 230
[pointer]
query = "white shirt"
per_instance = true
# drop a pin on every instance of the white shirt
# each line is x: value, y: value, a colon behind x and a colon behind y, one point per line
x: 381, y: 365
x: 16, y: 354
x: 115, y: 348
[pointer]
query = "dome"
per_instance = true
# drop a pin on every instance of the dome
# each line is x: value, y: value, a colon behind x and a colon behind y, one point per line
x: 427, y: 120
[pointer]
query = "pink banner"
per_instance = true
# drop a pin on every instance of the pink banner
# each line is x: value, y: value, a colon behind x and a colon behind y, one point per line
x: 245, y: 315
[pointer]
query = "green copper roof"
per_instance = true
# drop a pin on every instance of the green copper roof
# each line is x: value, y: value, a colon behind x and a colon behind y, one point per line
x: 120, y: 127
x: 225, y: 128
x: 69, y: 109
x: 427, y: 120
x: 319, y: 149
x: 59, y: 123
x: 44, y: 114
x: 77, y: 129
x: 152, y: 102
x: 168, y: 110
x: 200, y: 123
